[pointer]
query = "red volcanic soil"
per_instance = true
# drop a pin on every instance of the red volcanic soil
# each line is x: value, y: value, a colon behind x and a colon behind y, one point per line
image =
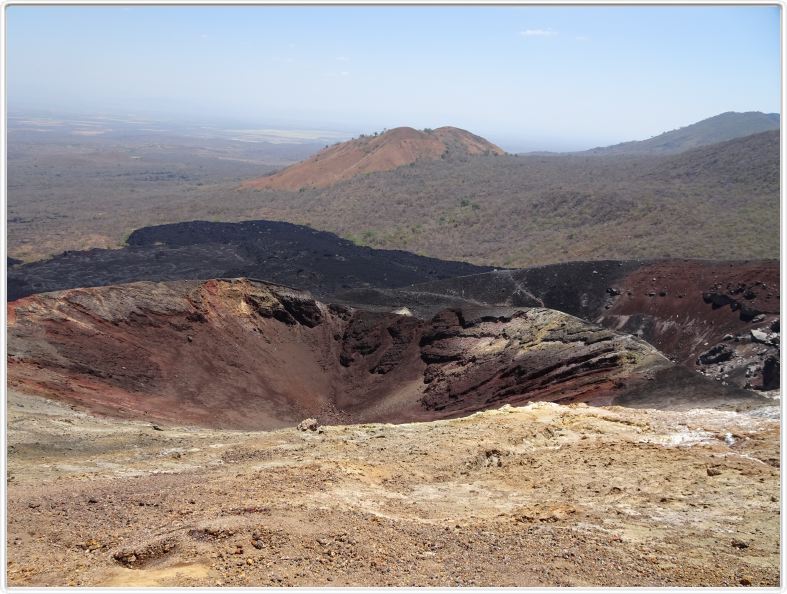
x: 250, y: 355
x: 392, y: 149
x: 683, y: 307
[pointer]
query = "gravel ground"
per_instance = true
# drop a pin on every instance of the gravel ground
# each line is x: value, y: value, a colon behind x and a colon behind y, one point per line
x: 542, y: 495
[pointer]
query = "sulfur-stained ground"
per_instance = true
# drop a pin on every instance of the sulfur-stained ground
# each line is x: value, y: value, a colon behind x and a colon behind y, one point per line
x: 544, y: 495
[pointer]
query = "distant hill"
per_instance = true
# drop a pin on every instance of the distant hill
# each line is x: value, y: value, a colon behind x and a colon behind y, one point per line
x: 725, y: 126
x: 380, y: 152
x: 752, y: 159
x: 715, y: 202
x: 718, y: 202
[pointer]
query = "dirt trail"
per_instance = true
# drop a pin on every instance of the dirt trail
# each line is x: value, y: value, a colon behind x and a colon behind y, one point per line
x: 542, y: 495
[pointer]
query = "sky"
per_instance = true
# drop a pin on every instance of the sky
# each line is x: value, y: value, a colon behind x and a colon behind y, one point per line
x: 526, y: 77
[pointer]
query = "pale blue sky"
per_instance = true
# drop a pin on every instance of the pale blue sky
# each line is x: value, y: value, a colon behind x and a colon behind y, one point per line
x: 527, y: 77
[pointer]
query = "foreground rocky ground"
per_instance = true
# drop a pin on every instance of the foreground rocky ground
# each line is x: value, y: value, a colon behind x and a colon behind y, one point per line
x: 538, y: 495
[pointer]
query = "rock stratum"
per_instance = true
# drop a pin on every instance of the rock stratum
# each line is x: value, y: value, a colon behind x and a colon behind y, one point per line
x: 685, y: 308
x: 243, y: 354
x: 370, y: 154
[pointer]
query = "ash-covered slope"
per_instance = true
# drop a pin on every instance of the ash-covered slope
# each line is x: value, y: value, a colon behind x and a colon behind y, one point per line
x: 369, y: 154
x: 275, y: 251
x: 250, y: 355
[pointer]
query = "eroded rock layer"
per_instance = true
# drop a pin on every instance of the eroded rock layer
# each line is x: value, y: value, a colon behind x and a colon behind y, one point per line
x: 245, y: 354
x: 687, y: 309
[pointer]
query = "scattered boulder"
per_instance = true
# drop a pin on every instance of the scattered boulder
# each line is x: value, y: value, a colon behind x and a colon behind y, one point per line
x: 493, y: 458
x: 749, y: 313
x: 770, y: 373
x: 716, y: 354
x: 142, y: 553
x: 739, y: 544
x: 717, y: 299
x: 308, y: 425
x: 775, y: 325
x: 759, y: 335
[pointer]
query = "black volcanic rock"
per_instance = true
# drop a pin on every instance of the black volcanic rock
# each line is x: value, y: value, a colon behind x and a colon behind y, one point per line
x: 749, y: 313
x: 716, y: 354
x: 279, y: 252
x: 770, y: 373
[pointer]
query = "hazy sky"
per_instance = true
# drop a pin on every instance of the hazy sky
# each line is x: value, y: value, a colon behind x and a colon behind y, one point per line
x: 526, y: 77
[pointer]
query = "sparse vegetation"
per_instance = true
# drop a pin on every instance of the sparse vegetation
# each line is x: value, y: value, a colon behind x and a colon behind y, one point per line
x: 719, y: 128
x: 717, y: 202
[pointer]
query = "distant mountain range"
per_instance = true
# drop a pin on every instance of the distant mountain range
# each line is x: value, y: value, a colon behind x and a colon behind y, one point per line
x: 725, y: 126
x: 378, y: 152
x: 405, y: 146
